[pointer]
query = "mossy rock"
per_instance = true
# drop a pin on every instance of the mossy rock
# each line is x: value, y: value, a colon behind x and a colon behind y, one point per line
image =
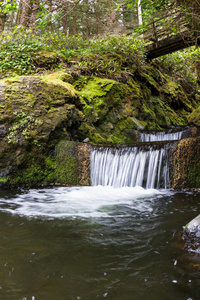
x: 68, y: 164
x: 37, y: 112
x: 45, y: 59
x: 185, y: 164
x: 194, y: 117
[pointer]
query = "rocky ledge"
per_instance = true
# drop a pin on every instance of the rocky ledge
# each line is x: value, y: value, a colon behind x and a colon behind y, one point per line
x: 45, y: 118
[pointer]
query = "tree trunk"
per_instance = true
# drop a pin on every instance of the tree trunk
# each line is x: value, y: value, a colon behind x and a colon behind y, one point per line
x: 26, y: 13
x: 87, y: 20
x: 19, y: 13
x: 35, y: 9
x: 140, y: 22
x: 49, y: 25
x: 11, y: 20
x: 2, y: 21
x: 74, y: 28
x: 65, y: 23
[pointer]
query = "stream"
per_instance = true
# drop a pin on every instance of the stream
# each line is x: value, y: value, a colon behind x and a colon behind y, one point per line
x: 118, y: 239
x: 97, y: 243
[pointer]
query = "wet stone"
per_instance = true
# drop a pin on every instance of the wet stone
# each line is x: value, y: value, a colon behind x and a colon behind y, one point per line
x: 2, y: 99
x: 191, y: 235
x: 2, y: 130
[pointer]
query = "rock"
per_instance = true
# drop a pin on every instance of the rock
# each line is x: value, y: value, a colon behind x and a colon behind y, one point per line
x: 45, y: 59
x: 137, y: 122
x: 193, y: 227
x: 86, y: 140
x: 38, y: 112
x: 191, y: 235
x: 3, y: 131
x: 184, y: 163
x: 194, y: 117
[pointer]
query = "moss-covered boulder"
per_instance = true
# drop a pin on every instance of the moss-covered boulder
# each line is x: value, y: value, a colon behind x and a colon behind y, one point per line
x: 45, y: 59
x: 67, y: 164
x: 36, y: 113
x: 194, y: 117
x: 113, y: 109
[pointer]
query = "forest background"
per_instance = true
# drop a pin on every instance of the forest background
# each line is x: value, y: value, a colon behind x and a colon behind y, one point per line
x: 72, y: 28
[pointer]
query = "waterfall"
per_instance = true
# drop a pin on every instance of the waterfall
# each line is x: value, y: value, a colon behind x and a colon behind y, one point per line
x: 160, y: 136
x: 129, y: 166
x: 145, y: 166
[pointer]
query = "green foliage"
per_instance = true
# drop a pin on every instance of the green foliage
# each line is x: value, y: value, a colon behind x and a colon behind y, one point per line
x: 66, y: 163
x: 75, y: 46
x: 181, y: 65
x: 8, y: 5
x: 21, y: 127
x: 19, y: 49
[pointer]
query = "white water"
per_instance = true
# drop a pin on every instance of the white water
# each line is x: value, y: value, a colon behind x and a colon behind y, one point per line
x: 160, y: 136
x: 82, y: 202
x: 129, y: 167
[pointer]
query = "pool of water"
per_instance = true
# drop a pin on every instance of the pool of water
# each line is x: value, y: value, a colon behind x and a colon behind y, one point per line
x: 97, y: 243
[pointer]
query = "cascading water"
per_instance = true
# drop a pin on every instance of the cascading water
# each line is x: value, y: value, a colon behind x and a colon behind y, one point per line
x: 101, y: 242
x: 133, y: 166
x: 160, y: 136
x: 129, y: 167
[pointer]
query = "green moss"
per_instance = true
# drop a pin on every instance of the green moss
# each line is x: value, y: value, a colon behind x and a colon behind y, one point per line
x: 3, y: 180
x: 97, y: 87
x: 134, y: 89
x: 12, y: 79
x: 45, y: 58
x: 59, y: 86
x: 185, y: 164
x: 96, y: 138
x: 61, y: 168
x: 170, y: 87
x: 65, y: 77
x: 113, y: 139
x: 149, y: 78
x: 126, y: 124
x: 32, y: 174
x: 194, y: 117
x: 66, y: 159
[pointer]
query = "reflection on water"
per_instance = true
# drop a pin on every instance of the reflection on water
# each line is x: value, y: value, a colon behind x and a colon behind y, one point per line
x: 96, y: 243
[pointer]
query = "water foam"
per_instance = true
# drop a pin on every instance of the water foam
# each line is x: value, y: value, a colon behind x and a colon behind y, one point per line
x: 84, y: 202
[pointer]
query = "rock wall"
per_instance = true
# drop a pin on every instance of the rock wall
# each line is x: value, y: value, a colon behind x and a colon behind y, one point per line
x: 114, y: 110
x: 185, y: 163
x: 36, y: 114
x: 44, y: 118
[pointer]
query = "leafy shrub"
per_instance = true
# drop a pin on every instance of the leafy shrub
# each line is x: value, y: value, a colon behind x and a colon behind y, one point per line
x: 16, y: 52
x: 18, y: 49
x: 181, y: 64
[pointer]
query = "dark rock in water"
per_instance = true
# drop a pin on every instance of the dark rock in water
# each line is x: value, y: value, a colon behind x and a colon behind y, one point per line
x: 191, y: 235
